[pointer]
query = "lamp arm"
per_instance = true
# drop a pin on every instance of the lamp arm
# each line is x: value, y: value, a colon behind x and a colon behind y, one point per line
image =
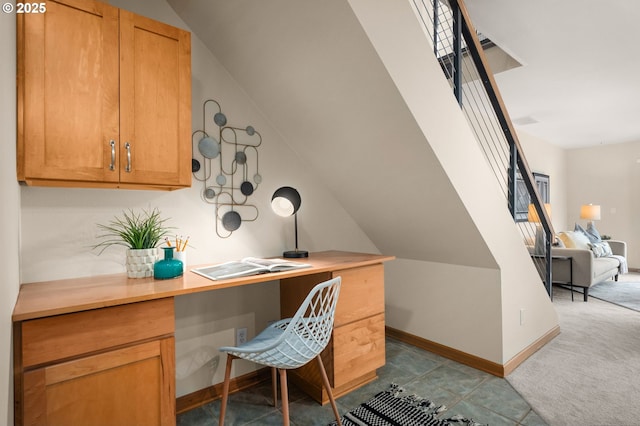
x: 295, y: 219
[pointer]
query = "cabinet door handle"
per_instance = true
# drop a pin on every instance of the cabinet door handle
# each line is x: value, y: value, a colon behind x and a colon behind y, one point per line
x: 127, y: 146
x: 112, y: 166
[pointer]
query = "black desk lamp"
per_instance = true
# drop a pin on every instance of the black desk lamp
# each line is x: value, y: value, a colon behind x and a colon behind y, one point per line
x: 286, y: 202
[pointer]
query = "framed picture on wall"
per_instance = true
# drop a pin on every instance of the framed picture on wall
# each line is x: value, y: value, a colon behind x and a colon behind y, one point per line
x: 522, y: 195
x: 542, y: 182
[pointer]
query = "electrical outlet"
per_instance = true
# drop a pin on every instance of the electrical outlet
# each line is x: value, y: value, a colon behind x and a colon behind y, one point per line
x: 241, y: 336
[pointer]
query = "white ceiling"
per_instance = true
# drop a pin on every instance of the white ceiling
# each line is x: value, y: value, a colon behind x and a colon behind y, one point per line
x: 579, y: 83
x: 580, y: 79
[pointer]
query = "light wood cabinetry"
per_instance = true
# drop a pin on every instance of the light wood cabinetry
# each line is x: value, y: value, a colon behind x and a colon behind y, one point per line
x: 106, y: 366
x: 101, y: 349
x: 357, y: 346
x: 104, y: 98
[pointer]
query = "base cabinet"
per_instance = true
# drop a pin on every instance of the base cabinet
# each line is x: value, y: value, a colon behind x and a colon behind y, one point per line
x: 357, y: 346
x: 114, y: 388
x: 120, y: 371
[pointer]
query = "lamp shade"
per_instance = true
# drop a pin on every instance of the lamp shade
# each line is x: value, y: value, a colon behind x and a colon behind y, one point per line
x: 286, y: 201
x: 532, y: 215
x: 590, y: 212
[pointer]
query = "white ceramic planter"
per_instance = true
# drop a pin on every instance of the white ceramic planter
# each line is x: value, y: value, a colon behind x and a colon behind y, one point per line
x: 140, y: 262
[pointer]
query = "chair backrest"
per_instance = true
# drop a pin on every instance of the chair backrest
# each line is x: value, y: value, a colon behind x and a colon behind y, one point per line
x: 309, y: 330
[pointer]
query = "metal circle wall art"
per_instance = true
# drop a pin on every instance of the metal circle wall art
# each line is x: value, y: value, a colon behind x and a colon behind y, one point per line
x: 224, y: 158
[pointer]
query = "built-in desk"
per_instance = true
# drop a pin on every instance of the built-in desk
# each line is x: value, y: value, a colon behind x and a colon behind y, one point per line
x: 103, y: 347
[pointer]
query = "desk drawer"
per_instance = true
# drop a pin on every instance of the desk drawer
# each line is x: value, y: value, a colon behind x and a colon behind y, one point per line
x: 54, y: 338
x: 358, y: 349
x: 361, y: 293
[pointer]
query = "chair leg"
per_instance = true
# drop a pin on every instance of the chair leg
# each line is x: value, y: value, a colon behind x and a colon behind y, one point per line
x: 274, y: 384
x: 284, y: 396
x: 225, y: 389
x: 327, y: 386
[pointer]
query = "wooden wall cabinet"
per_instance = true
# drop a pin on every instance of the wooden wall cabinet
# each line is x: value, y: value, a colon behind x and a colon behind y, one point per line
x: 357, y: 346
x: 104, y: 98
x: 106, y: 366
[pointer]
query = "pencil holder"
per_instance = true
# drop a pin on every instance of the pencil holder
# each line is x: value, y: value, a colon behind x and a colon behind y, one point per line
x: 182, y: 257
x: 168, y: 267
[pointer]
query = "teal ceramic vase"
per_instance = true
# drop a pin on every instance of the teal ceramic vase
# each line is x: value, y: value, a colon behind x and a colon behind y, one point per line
x: 167, y: 267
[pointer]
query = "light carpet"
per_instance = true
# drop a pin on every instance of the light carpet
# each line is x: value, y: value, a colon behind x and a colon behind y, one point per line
x: 590, y: 373
x: 624, y: 292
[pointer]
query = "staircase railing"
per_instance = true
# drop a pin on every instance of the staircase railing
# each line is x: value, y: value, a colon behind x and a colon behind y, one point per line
x: 460, y: 51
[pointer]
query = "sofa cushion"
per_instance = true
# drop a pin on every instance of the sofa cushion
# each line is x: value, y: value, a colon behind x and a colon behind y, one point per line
x: 603, y: 265
x: 574, y: 239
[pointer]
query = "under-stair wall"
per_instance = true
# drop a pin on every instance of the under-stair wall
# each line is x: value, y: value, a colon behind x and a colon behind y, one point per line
x: 384, y: 135
x: 401, y: 44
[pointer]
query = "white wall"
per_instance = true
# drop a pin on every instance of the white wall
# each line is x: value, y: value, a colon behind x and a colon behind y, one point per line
x: 550, y: 160
x: 58, y: 224
x: 9, y: 211
x: 455, y: 305
x: 608, y: 175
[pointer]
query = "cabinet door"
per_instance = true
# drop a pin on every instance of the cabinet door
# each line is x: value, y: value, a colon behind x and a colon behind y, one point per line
x: 129, y: 386
x: 155, y: 102
x: 68, y: 92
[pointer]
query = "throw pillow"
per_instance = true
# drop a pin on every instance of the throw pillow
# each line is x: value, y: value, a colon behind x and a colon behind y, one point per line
x: 593, y: 232
x: 592, y: 239
x: 580, y: 240
x: 601, y: 249
x: 575, y: 239
x: 565, y: 238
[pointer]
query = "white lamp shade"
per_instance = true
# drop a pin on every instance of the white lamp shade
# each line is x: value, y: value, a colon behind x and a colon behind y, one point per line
x: 532, y: 214
x: 590, y: 212
x: 282, y: 207
x: 286, y: 201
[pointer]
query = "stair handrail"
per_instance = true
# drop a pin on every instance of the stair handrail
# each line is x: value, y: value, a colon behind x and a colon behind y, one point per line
x: 480, y: 60
x: 463, y: 28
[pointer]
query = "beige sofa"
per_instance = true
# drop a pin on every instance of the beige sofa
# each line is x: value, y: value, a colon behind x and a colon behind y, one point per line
x: 587, y: 269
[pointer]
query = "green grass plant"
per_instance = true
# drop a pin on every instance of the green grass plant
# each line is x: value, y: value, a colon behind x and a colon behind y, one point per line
x: 133, y: 230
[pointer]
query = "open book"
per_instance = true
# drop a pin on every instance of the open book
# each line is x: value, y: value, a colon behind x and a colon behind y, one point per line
x: 247, y: 266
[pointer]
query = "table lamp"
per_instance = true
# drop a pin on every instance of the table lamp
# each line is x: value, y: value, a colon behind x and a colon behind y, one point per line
x: 532, y: 216
x: 285, y: 202
x: 590, y: 212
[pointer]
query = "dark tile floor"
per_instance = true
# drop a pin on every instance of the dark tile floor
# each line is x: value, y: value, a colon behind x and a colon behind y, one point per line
x: 463, y: 390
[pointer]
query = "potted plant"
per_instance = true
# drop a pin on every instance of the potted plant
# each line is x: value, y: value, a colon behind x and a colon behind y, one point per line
x: 141, y: 233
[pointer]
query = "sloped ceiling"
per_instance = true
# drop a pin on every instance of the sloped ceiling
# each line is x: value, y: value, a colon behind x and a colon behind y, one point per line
x: 578, y: 85
x: 311, y: 69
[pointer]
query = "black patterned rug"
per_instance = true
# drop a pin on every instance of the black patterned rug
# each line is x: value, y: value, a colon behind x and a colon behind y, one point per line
x: 393, y: 408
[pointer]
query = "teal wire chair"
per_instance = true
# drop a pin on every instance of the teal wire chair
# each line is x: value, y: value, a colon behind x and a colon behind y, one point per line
x: 291, y: 343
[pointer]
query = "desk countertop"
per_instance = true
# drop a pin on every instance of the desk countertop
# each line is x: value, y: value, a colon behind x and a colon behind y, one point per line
x: 42, y: 299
